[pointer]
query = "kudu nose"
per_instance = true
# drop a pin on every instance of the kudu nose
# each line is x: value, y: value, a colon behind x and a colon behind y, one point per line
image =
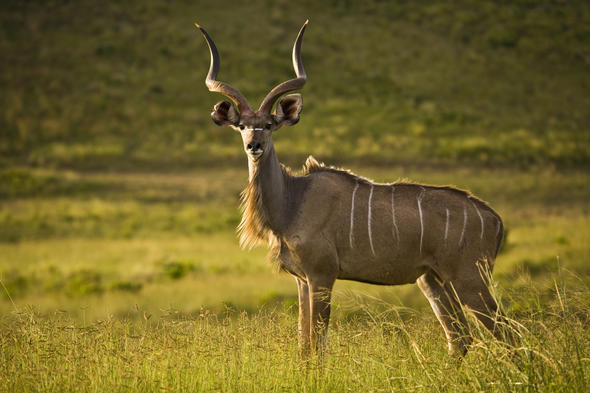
x: 253, y: 146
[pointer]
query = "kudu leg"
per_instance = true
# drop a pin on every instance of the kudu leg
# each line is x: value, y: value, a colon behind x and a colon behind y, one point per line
x: 448, y: 311
x: 319, y: 292
x: 304, y: 325
x: 477, y: 297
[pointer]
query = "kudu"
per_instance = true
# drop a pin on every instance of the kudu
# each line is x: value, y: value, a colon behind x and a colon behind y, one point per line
x: 329, y: 224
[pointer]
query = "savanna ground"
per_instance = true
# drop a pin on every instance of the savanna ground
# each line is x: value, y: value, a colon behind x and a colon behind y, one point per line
x: 119, y: 263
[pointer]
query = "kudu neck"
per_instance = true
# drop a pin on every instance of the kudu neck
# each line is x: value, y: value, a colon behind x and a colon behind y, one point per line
x: 267, y: 168
x: 268, y: 178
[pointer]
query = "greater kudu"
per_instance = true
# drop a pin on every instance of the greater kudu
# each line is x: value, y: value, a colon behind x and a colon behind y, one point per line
x: 329, y: 224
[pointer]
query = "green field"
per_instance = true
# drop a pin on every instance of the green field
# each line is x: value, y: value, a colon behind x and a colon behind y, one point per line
x: 120, y: 268
x: 88, y: 85
x: 135, y: 281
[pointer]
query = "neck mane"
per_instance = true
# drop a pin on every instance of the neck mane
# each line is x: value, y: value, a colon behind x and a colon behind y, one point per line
x: 263, y: 201
x: 272, y: 199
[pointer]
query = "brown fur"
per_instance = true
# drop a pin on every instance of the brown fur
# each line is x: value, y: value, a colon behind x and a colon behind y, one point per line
x: 328, y: 223
x: 313, y: 166
x: 254, y: 228
x: 306, y: 220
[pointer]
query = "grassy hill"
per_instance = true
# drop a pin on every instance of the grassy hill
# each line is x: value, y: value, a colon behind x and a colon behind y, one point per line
x: 119, y: 264
x: 94, y: 85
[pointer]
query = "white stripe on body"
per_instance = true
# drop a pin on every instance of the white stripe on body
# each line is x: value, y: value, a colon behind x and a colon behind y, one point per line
x: 419, y: 200
x: 447, y: 226
x: 356, y: 186
x: 464, y: 225
x: 369, y: 220
x: 393, y: 214
x: 480, y: 216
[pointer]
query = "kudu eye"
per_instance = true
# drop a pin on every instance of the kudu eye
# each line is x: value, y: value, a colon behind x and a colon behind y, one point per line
x: 241, y: 126
x: 268, y: 125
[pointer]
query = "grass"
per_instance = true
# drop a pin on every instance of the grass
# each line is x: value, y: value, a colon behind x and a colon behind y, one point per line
x: 154, y: 229
x: 119, y: 263
x: 135, y: 281
x: 480, y: 83
x: 209, y: 352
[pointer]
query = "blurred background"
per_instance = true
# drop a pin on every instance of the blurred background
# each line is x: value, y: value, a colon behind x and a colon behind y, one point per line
x: 119, y: 196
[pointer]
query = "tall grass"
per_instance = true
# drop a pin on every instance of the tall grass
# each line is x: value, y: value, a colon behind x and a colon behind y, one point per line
x: 174, y: 304
x: 120, y: 271
x: 375, y: 350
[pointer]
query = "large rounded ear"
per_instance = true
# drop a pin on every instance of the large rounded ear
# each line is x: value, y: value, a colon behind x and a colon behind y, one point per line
x: 224, y: 114
x: 288, y: 109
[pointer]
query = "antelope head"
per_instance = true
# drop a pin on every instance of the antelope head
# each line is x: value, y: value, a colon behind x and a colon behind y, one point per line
x: 256, y: 127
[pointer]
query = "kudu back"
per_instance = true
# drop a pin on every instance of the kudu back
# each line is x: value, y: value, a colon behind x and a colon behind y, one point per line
x: 327, y: 223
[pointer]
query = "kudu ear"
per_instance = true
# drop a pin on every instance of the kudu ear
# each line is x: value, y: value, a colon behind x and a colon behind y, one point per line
x: 224, y: 114
x: 288, y: 109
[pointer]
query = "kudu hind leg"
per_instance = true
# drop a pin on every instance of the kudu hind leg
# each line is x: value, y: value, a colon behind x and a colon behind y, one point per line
x: 448, y: 311
x: 477, y: 297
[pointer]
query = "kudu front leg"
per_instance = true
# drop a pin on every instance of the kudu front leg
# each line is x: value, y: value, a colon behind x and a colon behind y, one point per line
x: 320, y: 292
x: 304, y: 325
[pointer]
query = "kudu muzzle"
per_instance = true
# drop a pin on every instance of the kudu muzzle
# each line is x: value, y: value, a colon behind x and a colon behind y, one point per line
x: 253, y: 145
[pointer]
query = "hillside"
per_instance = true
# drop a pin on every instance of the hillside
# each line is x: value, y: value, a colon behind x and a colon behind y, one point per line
x: 94, y: 85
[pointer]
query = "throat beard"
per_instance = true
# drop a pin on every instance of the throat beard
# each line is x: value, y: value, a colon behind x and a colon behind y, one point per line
x: 262, y: 195
x: 254, y: 227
